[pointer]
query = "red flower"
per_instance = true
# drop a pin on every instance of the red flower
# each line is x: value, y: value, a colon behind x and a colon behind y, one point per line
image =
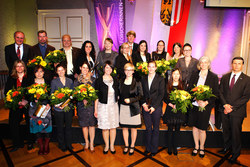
x: 38, y: 96
x: 140, y: 67
x: 39, y: 122
x: 15, y: 93
x: 195, y: 89
x: 60, y: 95
x: 83, y: 89
x: 33, y: 61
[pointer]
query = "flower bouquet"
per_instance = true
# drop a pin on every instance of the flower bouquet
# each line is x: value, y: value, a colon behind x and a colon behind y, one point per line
x: 101, y: 71
x: 181, y: 99
x: 142, y: 68
x: 162, y: 66
x: 38, y: 61
x: 172, y: 63
x: 85, y: 92
x: 13, y: 97
x: 61, y: 97
x: 55, y: 56
x: 202, y: 92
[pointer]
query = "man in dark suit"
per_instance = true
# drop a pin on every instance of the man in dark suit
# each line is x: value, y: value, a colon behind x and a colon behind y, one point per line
x: 234, y: 95
x: 16, y: 51
x: 41, y: 49
x: 131, y: 35
x: 72, y: 54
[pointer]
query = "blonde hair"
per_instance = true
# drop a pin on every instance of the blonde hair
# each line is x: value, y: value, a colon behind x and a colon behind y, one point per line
x: 206, y: 58
x: 128, y: 56
x: 131, y: 33
x: 14, y: 72
x: 127, y: 65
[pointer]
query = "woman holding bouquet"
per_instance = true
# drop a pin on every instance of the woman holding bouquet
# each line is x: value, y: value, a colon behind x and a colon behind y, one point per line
x: 106, y: 107
x: 199, y: 120
x: 62, y: 118
x: 42, y: 127
x: 85, y: 113
x: 18, y: 78
x: 172, y: 119
x: 141, y: 55
x: 153, y: 86
x: 130, y: 94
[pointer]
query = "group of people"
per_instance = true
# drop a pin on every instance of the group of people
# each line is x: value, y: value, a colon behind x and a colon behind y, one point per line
x: 126, y: 97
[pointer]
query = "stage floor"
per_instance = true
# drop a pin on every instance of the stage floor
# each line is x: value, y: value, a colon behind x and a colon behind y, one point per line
x: 4, y: 115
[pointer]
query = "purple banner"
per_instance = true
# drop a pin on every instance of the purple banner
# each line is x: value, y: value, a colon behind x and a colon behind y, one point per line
x: 109, y: 18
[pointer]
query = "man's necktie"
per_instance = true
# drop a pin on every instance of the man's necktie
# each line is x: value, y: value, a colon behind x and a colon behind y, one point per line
x: 232, y: 82
x: 18, y: 52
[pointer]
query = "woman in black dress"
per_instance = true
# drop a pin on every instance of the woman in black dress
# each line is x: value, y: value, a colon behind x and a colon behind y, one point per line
x: 122, y: 59
x: 63, y: 119
x: 160, y: 52
x: 18, y: 78
x: 44, y: 128
x: 86, y: 116
x: 173, y: 120
x: 130, y: 94
x: 153, y: 86
x: 199, y: 120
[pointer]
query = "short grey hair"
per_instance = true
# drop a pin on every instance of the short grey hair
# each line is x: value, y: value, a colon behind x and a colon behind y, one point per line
x: 206, y: 58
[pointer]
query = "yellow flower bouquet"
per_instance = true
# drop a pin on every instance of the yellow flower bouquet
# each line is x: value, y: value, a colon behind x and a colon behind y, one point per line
x: 162, y: 66
x: 85, y: 92
x: 61, y: 97
x: 38, y: 92
x: 55, y: 56
x: 142, y: 68
x: 13, y: 97
x: 181, y: 99
x: 39, y: 61
x: 202, y: 92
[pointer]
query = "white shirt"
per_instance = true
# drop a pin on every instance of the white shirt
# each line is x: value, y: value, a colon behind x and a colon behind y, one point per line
x: 150, y: 81
x: 144, y: 59
x: 69, y: 61
x: 21, y: 50
x: 236, y: 77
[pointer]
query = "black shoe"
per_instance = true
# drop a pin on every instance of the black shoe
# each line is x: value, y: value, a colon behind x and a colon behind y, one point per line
x: 233, y: 160
x: 146, y: 152
x: 105, y: 152
x: 70, y: 147
x: 14, y: 149
x: 223, y: 151
x: 169, y: 151
x: 64, y: 149
x: 202, y: 155
x: 113, y: 152
x: 152, y: 154
x: 125, y: 152
x: 131, y: 148
x: 193, y: 153
x: 30, y: 146
x: 175, y: 151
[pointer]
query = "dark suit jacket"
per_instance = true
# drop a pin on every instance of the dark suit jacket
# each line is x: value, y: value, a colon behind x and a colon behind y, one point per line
x: 11, y: 56
x: 135, y: 94
x: 156, y: 92
x: 136, y: 57
x: 75, y: 53
x: 211, y: 81
x: 120, y: 61
x: 103, y: 89
x: 11, y: 83
x: 35, y: 51
x: 187, y: 71
x: 238, y: 96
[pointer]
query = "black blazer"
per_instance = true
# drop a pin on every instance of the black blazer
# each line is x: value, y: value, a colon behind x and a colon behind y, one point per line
x: 120, y: 61
x: 156, y: 56
x: 187, y: 71
x: 212, y: 81
x: 35, y: 51
x: 156, y: 92
x: 103, y: 89
x: 11, y: 83
x: 75, y: 54
x: 135, y: 94
x: 238, y: 96
x: 11, y: 56
x: 136, y: 57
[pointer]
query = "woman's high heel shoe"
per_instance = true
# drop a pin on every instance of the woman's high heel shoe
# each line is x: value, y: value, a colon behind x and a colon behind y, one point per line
x: 202, y: 155
x: 125, y: 152
x: 194, y: 153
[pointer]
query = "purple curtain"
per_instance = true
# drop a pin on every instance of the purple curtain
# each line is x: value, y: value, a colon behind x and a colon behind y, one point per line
x: 109, y: 18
